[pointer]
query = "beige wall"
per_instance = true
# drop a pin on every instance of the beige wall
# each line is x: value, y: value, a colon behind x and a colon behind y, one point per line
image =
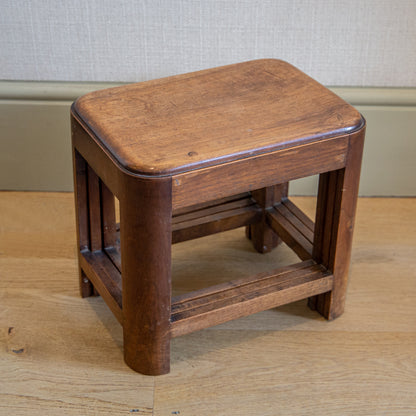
x: 338, y: 42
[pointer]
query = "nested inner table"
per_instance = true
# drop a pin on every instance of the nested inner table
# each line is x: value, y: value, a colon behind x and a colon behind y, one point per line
x: 201, y: 153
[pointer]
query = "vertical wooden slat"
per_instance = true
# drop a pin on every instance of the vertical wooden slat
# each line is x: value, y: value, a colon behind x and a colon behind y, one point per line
x: 320, y: 216
x: 81, y: 200
x: 319, y: 226
x: 329, y: 210
x: 81, y: 214
x: 338, y: 196
x: 108, y: 213
x: 94, y: 206
x: 261, y: 234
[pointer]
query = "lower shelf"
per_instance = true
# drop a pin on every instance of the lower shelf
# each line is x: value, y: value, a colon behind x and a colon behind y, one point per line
x: 235, y: 299
x: 238, y: 298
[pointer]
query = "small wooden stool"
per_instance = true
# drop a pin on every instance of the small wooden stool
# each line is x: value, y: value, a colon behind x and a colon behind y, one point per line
x: 196, y: 154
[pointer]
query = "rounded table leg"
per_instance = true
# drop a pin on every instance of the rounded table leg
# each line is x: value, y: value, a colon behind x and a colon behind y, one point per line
x: 145, y: 234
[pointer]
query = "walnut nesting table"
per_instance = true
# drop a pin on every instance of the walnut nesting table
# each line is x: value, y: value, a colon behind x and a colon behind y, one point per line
x: 200, y: 153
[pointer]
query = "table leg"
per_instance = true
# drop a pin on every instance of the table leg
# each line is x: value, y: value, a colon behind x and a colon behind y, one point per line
x: 263, y: 237
x: 145, y: 234
x: 336, y: 206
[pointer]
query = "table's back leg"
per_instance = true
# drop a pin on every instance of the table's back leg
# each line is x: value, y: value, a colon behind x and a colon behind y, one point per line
x: 95, y: 214
x: 261, y: 234
x: 82, y: 215
x: 336, y: 206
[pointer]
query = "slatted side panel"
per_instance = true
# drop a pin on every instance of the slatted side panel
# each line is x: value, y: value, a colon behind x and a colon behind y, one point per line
x: 293, y: 227
x: 97, y: 232
x: 106, y: 278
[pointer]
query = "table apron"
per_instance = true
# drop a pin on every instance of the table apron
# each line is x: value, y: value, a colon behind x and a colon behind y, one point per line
x: 259, y: 171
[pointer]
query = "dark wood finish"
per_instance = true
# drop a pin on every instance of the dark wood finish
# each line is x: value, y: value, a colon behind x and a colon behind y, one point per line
x: 82, y: 217
x: 215, y: 207
x: 226, y: 216
x: 215, y: 219
x: 191, y: 121
x: 145, y: 235
x: 259, y: 171
x: 94, y: 205
x: 146, y: 278
x: 302, y: 223
x: 293, y: 231
x: 114, y: 254
x: 337, y: 199
x: 108, y: 213
x: 201, y: 153
x: 210, y: 204
x: 300, y: 215
x: 106, y: 278
x: 218, y: 216
x: 264, y: 238
x: 81, y: 200
x: 218, y: 304
x: 97, y: 156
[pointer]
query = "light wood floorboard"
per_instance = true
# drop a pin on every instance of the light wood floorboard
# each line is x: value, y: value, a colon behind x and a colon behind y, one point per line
x: 60, y: 354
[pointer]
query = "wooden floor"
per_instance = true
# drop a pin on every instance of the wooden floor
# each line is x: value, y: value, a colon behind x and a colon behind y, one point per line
x: 62, y: 355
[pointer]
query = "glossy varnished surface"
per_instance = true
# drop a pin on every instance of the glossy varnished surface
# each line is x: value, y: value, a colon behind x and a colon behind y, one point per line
x: 190, y: 121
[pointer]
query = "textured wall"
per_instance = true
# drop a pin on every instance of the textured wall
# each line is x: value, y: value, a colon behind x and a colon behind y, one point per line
x: 339, y: 42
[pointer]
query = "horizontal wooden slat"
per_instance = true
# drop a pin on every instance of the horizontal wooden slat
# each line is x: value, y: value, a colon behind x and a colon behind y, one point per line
x: 203, y: 205
x: 291, y: 229
x: 114, y: 254
x: 215, y: 207
x: 295, y: 221
x: 106, y: 279
x: 299, y: 214
x: 217, y: 216
x: 215, y: 219
x: 221, y: 303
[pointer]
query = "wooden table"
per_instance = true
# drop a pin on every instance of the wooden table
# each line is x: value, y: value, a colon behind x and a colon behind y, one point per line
x: 200, y: 153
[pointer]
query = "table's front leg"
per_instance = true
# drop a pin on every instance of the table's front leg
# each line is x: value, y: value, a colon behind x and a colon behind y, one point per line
x: 145, y: 235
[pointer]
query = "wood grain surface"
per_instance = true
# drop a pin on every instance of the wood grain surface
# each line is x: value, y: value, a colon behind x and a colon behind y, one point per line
x: 189, y: 121
x: 61, y: 354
